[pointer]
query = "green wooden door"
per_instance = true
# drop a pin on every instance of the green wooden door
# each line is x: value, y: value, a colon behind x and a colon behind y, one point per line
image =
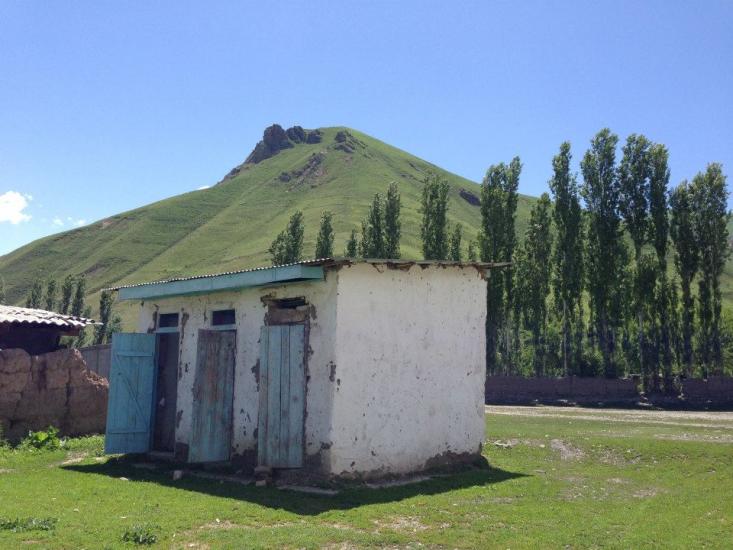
x: 213, y: 394
x: 282, y: 396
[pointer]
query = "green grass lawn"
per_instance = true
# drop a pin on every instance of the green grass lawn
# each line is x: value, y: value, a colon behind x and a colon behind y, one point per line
x: 573, y: 478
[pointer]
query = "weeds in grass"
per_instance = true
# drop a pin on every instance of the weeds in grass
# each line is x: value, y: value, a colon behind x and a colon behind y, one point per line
x: 19, y: 525
x: 43, y: 440
x: 141, y: 534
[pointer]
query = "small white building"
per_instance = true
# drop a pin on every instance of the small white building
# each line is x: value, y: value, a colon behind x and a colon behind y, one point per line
x: 342, y: 368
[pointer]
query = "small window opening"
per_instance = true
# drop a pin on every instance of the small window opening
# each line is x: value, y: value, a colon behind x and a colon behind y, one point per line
x: 222, y: 317
x: 168, y: 320
x: 289, y: 303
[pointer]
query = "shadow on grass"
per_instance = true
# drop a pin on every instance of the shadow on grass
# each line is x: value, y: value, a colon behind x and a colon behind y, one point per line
x: 350, y: 496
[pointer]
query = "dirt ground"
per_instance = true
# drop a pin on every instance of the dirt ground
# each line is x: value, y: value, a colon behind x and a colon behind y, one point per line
x: 693, y: 419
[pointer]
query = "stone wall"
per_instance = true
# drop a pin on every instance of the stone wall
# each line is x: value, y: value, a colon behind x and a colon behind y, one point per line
x: 52, y: 389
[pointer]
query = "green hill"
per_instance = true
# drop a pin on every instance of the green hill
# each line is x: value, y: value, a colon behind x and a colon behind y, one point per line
x: 231, y: 225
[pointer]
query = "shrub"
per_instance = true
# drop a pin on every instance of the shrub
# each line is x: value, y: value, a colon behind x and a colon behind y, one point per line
x: 141, y: 534
x: 46, y: 440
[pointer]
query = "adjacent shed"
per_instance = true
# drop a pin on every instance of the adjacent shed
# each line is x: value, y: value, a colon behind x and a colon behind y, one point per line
x: 37, y: 331
x: 334, y: 367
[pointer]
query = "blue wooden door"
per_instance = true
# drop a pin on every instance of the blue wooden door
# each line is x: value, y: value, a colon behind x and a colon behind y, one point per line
x: 282, y: 396
x: 213, y: 394
x: 131, y: 391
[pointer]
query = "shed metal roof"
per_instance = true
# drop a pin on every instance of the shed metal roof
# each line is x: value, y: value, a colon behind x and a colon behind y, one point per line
x: 259, y: 276
x: 28, y: 316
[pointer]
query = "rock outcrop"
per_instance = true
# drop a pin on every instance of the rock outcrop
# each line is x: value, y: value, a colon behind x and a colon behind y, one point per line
x: 275, y: 139
x: 52, y: 389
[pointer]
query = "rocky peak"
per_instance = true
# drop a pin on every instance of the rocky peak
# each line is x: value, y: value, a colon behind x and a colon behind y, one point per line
x: 275, y: 139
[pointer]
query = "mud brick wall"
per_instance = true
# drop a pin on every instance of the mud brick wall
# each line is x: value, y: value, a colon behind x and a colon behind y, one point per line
x: 52, y: 389
x: 517, y: 389
x: 716, y: 390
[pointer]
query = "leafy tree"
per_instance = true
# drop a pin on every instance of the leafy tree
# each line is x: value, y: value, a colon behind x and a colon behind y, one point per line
x: 81, y: 340
x: 352, y: 246
x: 77, y: 306
x: 67, y: 290
x: 471, y: 255
x: 455, y: 244
x: 392, y: 223
x: 324, y: 242
x: 665, y: 292
x: 496, y: 242
x: 434, y: 210
x: 606, y: 250
x: 50, y: 297
x: 686, y: 260
x: 35, y: 296
x: 711, y: 228
x: 533, y: 278
x: 102, y: 332
x: 372, y: 230
x: 567, y: 259
x: 633, y: 177
x: 288, y: 245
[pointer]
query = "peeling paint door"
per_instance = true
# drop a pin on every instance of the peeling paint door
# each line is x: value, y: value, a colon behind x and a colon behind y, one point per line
x: 213, y: 392
x: 131, y: 390
x: 282, y: 396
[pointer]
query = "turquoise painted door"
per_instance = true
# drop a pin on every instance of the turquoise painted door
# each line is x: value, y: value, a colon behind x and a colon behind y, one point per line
x: 131, y: 391
x: 282, y: 396
x: 213, y: 394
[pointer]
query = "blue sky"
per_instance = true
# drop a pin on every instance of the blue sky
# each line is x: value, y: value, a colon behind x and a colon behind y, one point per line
x: 105, y: 106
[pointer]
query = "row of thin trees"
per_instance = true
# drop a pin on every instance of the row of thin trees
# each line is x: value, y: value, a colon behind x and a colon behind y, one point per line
x: 617, y: 274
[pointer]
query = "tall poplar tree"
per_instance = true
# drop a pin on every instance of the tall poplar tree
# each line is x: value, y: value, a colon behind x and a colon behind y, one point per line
x: 372, y: 230
x: 496, y: 242
x: 352, y: 246
x: 434, y: 210
x: 392, y: 223
x: 659, y: 236
x: 606, y: 249
x: 2, y: 291
x: 686, y: 260
x: 567, y: 260
x: 711, y: 228
x: 288, y: 245
x: 35, y: 296
x: 533, y: 271
x: 67, y: 291
x: 50, y: 297
x: 77, y: 306
x: 633, y: 177
x: 456, y: 238
x: 324, y: 242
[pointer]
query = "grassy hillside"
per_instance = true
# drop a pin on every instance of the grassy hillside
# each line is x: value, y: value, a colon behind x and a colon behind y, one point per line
x: 231, y: 225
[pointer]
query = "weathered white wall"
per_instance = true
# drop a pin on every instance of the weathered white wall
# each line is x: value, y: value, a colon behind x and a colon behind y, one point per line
x: 195, y: 313
x: 396, y: 365
x: 410, y: 368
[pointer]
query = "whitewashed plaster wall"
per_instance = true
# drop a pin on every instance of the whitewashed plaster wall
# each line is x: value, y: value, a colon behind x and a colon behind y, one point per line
x: 410, y: 368
x: 195, y: 314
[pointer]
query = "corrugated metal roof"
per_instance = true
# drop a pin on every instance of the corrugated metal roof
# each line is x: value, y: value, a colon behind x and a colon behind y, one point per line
x: 325, y: 262
x: 28, y: 316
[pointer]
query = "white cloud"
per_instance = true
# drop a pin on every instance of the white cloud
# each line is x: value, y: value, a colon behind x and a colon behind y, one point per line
x: 12, y: 205
x: 203, y: 187
x: 79, y: 222
x: 58, y: 222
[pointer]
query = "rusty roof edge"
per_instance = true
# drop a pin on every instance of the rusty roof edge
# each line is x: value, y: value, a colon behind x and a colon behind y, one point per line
x: 335, y: 261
